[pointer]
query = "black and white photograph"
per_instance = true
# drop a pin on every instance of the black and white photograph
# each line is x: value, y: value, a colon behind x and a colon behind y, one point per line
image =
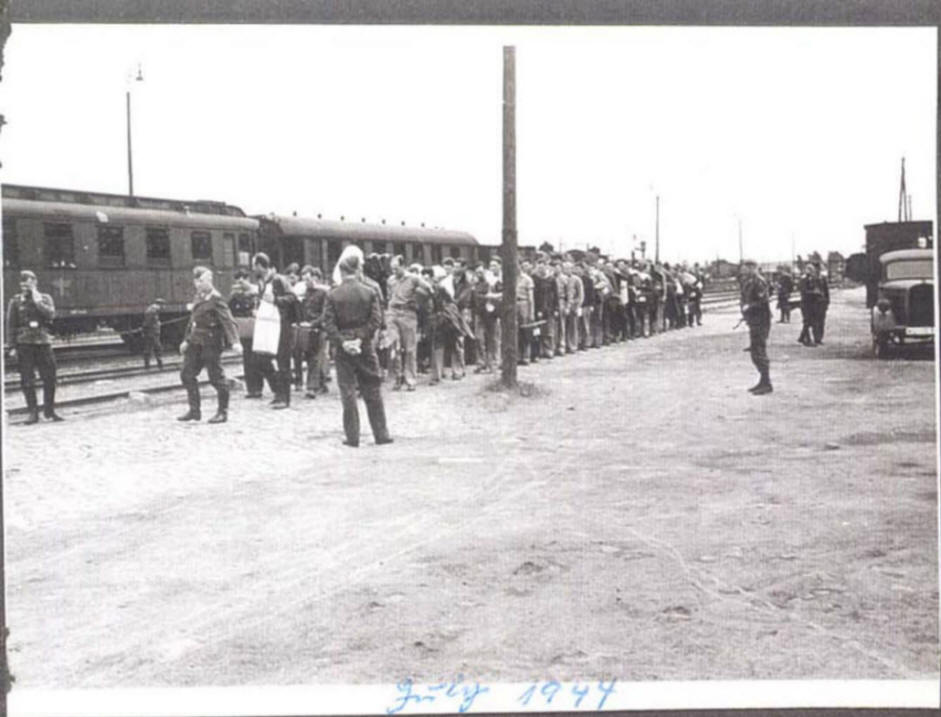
x: 407, y: 369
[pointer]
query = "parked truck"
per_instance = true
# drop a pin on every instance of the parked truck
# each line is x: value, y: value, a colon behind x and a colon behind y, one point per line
x: 898, y: 269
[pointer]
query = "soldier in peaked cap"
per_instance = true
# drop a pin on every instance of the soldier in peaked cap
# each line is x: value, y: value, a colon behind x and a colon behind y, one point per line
x: 756, y: 311
x: 210, y: 331
x: 29, y: 317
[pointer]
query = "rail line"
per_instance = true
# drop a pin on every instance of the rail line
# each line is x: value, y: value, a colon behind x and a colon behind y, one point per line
x: 12, y: 385
x: 106, y: 397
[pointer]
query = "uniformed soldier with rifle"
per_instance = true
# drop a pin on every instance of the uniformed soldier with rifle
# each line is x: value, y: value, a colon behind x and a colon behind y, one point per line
x: 756, y: 312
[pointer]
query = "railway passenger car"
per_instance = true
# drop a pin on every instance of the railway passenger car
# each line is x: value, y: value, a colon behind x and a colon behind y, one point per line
x: 105, y: 257
x: 319, y: 242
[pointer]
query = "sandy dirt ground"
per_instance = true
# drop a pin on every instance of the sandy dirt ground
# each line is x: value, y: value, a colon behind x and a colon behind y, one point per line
x: 638, y: 516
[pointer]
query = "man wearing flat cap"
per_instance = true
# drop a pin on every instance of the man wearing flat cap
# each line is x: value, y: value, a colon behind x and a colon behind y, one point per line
x: 756, y: 312
x: 29, y: 317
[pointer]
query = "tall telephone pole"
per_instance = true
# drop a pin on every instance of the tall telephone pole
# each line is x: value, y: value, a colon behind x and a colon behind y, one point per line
x: 508, y: 246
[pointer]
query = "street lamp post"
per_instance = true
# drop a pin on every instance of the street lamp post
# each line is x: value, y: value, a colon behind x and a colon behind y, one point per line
x: 130, y: 163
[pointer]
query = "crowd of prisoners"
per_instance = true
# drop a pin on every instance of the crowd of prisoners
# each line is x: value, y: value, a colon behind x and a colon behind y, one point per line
x: 446, y: 318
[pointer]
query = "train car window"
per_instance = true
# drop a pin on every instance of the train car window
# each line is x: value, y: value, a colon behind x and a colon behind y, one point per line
x: 11, y: 246
x: 455, y: 251
x: 436, y: 254
x: 229, y: 257
x: 399, y: 248
x: 158, y: 247
x: 110, y: 245
x: 60, y: 246
x: 201, y: 244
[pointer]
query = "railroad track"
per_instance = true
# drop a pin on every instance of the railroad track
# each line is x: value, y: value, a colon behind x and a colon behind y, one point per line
x: 22, y: 411
x: 12, y: 384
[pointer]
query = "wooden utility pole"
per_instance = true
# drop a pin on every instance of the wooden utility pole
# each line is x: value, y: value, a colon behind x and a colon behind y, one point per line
x: 656, y: 255
x: 508, y: 247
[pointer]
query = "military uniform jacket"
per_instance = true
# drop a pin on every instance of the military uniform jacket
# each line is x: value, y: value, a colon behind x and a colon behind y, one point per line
x: 211, y: 323
x: 312, y: 305
x: 151, y: 325
x: 545, y: 295
x: 754, y: 301
x: 576, y: 292
x: 28, y: 321
x: 351, y: 311
x: 814, y: 288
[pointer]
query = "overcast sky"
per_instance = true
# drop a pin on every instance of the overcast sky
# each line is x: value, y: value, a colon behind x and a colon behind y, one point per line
x: 798, y: 132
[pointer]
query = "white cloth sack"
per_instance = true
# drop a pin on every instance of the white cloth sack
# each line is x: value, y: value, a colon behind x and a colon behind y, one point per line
x: 267, y: 329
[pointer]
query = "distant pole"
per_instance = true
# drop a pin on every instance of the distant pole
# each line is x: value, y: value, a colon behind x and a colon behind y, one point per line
x: 130, y: 165
x: 741, y: 250
x: 656, y: 256
x: 902, y: 204
x: 509, y: 245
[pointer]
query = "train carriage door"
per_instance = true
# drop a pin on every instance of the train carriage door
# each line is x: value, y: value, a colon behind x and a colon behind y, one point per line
x: 292, y: 252
x: 245, y: 250
x: 333, y: 255
x: 312, y: 253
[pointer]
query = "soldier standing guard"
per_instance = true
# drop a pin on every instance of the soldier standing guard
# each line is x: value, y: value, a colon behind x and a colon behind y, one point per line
x: 29, y: 317
x: 210, y: 331
x: 150, y: 332
x: 756, y: 312
x: 351, y: 317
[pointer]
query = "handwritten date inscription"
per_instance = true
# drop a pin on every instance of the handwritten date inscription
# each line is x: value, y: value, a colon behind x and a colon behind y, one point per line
x: 463, y: 695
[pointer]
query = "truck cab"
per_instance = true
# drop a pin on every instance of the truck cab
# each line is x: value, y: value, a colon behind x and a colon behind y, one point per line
x: 904, y: 310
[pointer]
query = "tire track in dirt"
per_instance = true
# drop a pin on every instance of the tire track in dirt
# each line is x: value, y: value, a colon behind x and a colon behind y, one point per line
x: 371, y: 551
x: 756, y: 602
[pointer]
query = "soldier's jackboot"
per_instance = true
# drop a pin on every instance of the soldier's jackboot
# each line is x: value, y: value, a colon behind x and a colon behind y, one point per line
x: 764, y: 385
x: 49, y: 403
x: 30, y: 394
x: 193, y: 414
x: 222, y: 411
